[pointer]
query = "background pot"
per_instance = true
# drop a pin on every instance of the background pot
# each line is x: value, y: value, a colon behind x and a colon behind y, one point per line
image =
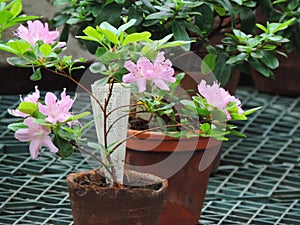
x: 185, y: 162
x: 287, y: 78
x: 94, y: 205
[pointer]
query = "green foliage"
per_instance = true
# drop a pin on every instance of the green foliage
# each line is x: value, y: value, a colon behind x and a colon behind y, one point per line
x: 282, y: 11
x: 192, y: 20
x: 259, y: 51
x: 10, y: 14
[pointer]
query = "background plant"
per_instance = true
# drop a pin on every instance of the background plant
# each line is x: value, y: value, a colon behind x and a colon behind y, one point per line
x: 205, y: 23
x: 282, y: 11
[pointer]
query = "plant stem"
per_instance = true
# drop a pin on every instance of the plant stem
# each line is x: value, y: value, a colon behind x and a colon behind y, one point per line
x: 93, y: 156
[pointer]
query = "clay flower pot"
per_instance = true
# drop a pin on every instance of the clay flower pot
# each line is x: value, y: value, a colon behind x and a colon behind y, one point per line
x: 185, y: 162
x: 286, y: 81
x: 138, y: 202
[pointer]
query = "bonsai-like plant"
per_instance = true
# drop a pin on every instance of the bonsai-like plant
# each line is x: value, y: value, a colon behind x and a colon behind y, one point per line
x: 130, y: 58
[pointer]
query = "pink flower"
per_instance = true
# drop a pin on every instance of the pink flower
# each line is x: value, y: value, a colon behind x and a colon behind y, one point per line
x: 37, y: 31
x: 56, y: 110
x: 218, y: 97
x: 34, y: 97
x: 160, y: 72
x: 37, y: 135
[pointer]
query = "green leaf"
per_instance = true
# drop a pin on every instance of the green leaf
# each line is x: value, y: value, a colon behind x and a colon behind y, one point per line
x: 17, y: 61
x: 260, y: 68
x: 222, y: 70
x: 136, y: 37
x: 250, y: 111
x: 205, y: 128
x: 65, y: 149
x: 19, y: 46
x: 180, y: 34
x: 275, y: 27
x: 111, y: 36
x: 205, y: 21
x: 125, y: 26
x: 8, y: 49
x: 236, y: 59
x: 29, y: 108
x: 16, y: 126
x: 37, y: 75
x: 266, y: 5
x: 236, y: 116
x: 91, y: 34
x: 260, y: 26
x: 77, y: 117
x: 270, y: 60
x: 159, y: 15
x: 46, y: 49
x: 109, y: 27
x: 16, y: 8
x: 208, y: 63
x: 248, y: 19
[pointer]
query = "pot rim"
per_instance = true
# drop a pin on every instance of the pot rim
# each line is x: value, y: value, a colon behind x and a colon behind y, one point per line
x: 159, y: 142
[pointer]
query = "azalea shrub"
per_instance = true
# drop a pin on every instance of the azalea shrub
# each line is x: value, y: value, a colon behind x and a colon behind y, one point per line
x: 134, y: 59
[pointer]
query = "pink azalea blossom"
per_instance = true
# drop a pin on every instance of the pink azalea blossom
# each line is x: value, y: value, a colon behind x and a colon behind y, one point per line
x: 160, y: 72
x: 56, y: 110
x: 218, y: 97
x: 34, y: 97
x: 37, y: 135
x: 38, y: 31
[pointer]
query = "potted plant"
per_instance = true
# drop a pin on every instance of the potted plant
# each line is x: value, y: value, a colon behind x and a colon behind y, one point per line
x: 157, y: 102
x: 204, y: 22
x: 284, y: 80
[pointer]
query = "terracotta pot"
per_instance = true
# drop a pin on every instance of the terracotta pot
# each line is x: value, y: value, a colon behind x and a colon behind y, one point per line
x: 286, y: 81
x: 185, y: 162
x: 94, y: 205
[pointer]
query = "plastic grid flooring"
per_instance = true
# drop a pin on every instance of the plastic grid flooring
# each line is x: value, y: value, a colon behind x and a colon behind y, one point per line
x: 258, y: 181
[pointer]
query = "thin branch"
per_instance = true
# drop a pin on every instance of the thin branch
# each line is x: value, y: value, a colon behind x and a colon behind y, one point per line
x: 94, y: 157
x: 79, y: 84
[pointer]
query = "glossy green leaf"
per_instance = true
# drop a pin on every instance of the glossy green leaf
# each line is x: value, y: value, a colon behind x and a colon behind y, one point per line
x: 46, y: 49
x: 28, y: 107
x: 65, y: 149
x: 16, y: 126
x: 19, y: 46
x: 37, y: 75
x: 248, y: 19
x: 137, y: 37
x: 16, y: 9
x: 208, y: 63
x: 180, y: 34
x: 270, y: 60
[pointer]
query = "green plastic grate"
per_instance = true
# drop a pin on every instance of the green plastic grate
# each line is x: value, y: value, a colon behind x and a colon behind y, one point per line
x: 261, y: 150
x: 257, y: 183
x: 61, y: 216
x: 21, y: 193
x: 245, y: 212
x: 279, y: 116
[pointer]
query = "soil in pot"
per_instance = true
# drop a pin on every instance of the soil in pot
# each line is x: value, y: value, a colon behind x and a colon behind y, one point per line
x: 93, y: 203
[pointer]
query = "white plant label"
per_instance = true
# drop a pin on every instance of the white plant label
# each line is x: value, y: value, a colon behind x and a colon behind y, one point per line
x: 119, y: 100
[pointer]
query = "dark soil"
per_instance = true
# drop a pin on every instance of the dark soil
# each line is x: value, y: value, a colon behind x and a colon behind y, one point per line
x: 97, y: 180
